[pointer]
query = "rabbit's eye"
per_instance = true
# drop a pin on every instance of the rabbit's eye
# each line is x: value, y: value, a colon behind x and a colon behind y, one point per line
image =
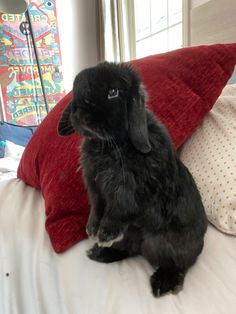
x: 113, y: 93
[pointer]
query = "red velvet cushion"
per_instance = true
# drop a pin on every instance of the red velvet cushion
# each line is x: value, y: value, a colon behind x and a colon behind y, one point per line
x: 182, y: 86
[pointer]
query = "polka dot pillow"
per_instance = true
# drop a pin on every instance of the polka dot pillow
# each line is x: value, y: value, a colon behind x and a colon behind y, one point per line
x: 210, y: 154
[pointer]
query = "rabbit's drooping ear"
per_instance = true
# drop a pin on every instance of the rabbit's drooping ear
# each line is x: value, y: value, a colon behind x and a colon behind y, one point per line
x: 138, y: 131
x: 65, y: 127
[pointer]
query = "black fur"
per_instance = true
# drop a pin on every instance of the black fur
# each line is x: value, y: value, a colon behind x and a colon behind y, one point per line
x: 138, y: 187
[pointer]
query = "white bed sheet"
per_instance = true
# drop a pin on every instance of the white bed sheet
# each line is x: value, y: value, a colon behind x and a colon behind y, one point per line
x: 10, y: 162
x: 8, y: 168
x: 35, y: 280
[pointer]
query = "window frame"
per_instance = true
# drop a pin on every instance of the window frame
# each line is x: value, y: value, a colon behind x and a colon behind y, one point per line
x: 185, y: 26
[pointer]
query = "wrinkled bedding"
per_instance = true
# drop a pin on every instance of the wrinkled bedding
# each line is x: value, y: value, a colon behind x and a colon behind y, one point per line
x: 8, y: 168
x: 35, y: 280
x: 9, y: 163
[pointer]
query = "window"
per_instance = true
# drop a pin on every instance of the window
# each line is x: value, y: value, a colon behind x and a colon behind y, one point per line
x: 158, y: 26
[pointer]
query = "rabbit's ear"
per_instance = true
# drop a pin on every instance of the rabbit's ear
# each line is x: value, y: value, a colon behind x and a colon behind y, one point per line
x: 65, y: 127
x: 138, y: 131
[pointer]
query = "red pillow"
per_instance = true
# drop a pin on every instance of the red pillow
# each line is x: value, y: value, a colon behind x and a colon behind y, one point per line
x: 182, y: 86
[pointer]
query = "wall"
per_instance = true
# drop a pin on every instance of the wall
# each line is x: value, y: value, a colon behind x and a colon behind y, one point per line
x: 196, y: 3
x: 77, y: 30
x: 213, y: 22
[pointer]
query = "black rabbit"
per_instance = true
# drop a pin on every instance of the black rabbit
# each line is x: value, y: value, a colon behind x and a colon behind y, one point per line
x: 143, y: 199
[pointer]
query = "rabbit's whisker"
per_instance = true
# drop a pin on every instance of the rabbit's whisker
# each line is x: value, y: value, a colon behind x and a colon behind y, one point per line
x: 65, y: 128
x: 93, y: 132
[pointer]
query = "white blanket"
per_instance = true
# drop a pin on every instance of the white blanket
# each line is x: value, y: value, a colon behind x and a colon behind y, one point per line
x: 10, y: 162
x: 35, y: 280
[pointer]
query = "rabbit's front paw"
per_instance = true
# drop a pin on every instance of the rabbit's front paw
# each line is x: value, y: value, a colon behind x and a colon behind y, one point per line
x: 106, y: 254
x: 92, y: 227
x: 109, y: 233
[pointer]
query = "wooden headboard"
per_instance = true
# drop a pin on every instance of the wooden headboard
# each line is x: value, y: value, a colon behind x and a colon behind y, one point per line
x: 212, y: 22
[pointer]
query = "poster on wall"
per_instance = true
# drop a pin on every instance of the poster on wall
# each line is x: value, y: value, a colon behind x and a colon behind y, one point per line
x: 21, y: 94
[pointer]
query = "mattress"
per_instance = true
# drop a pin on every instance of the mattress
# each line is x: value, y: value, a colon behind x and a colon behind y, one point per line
x: 36, y: 280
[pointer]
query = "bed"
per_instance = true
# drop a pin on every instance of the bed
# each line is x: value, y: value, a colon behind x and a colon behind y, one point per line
x: 34, y: 279
x: 42, y: 281
x: 10, y: 161
x: 13, y: 139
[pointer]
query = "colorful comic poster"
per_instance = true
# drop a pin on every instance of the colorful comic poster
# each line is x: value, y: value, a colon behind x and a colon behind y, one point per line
x: 21, y: 94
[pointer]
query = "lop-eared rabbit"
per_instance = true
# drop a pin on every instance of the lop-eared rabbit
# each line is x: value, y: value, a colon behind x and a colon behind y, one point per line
x: 144, y: 201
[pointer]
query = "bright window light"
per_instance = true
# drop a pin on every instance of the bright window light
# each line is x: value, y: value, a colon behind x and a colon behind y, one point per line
x: 158, y: 26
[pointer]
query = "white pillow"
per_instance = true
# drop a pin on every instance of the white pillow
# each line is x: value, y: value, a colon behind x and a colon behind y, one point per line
x: 210, y: 155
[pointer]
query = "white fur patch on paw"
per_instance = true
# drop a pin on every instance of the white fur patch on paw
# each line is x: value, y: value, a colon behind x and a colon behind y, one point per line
x: 109, y: 243
x: 91, y: 236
